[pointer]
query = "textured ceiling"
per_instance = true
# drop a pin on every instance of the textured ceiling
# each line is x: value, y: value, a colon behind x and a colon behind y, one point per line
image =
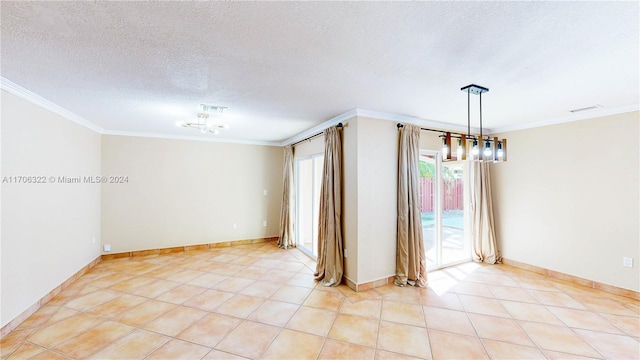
x: 283, y: 67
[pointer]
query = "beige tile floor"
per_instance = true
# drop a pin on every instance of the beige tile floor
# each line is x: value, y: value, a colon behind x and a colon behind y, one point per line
x: 258, y: 301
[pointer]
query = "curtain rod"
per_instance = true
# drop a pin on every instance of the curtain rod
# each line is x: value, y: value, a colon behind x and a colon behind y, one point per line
x: 400, y: 125
x: 312, y: 136
x: 455, y: 135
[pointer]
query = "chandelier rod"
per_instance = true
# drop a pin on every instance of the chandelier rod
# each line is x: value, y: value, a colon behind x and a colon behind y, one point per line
x: 480, y: 116
x: 468, y: 112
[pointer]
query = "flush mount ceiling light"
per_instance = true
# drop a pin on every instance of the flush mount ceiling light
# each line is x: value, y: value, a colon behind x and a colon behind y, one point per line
x: 209, y: 121
x: 493, y: 149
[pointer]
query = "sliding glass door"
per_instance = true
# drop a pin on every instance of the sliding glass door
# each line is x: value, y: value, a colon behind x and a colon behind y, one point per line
x: 308, y: 181
x: 443, y: 211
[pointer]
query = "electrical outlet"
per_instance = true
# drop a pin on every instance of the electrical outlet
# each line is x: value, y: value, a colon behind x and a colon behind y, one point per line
x: 107, y: 247
x: 93, y: 239
x: 264, y: 223
x: 627, y: 262
x: 345, y: 252
x: 265, y: 192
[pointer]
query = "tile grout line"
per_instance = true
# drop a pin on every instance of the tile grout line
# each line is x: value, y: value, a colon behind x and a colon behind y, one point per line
x: 375, y: 349
x: 476, y: 332
x: 281, y: 327
x: 121, y: 268
x: 586, y: 342
x: 517, y: 321
x: 599, y: 315
x: 426, y: 323
x: 142, y: 326
x: 324, y: 341
x: 555, y: 316
x: 284, y: 326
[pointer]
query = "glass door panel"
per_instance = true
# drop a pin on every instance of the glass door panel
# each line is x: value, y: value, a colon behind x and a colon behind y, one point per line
x: 428, y: 163
x: 308, y: 181
x: 318, y: 166
x: 455, y: 248
x: 442, y: 207
x: 304, y: 206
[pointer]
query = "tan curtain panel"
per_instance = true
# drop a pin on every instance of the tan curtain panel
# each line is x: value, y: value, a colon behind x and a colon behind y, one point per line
x: 330, y: 268
x: 483, y: 236
x: 287, y: 239
x: 410, y: 256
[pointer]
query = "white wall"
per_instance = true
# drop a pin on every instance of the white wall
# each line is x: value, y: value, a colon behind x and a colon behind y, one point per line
x: 377, y: 146
x: 430, y: 140
x: 188, y: 192
x: 309, y: 147
x: 567, y: 199
x: 47, y: 229
x: 370, y: 196
x: 350, y: 198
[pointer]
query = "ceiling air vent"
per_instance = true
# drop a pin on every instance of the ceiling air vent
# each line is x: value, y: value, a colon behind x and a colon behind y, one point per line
x: 593, y: 107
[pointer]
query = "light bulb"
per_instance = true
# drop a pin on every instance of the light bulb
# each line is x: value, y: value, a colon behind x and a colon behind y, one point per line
x: 445, y: 149
x: 204, y: 130
x: 181, y: 124
x: 214, y: 131
x: 500, y: 153
x: 459, y: 151
x: 487, y: 148
x: 475, y: 150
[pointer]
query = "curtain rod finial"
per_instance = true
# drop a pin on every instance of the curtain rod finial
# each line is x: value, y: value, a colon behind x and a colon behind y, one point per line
x: 400, y: 125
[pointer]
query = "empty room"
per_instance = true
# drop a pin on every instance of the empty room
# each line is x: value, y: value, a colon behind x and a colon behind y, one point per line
x: 245, y: 180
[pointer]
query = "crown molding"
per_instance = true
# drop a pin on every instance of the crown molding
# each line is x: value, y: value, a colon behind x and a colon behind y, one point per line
x: 571, y: 118
x: 15, y: 89
x: 191, y: 138
x: 415, y: 121
x: 342, y: 118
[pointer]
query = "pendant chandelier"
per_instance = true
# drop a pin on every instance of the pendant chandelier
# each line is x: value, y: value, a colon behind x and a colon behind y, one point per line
x: 472, y: 147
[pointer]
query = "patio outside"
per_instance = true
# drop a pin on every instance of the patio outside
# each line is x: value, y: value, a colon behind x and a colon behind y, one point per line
x: 454, y: 247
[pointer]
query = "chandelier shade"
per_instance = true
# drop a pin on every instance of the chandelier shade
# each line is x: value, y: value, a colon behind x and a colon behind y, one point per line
x: 474, y: 147
x: 483, y: 148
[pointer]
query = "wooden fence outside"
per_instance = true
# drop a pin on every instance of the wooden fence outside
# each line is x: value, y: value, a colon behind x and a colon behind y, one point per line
x: 452, y: 191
